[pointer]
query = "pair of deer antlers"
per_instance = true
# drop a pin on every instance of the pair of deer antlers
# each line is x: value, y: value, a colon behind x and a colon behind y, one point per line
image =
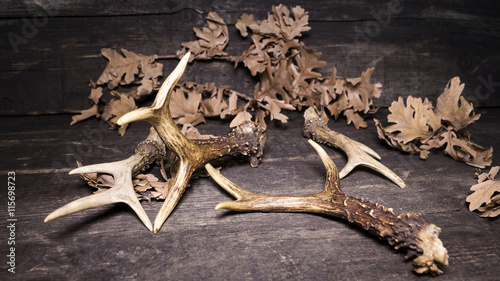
x: 409, y: 231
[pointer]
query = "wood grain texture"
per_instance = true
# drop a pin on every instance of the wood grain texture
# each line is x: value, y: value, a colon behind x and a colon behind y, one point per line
x: 416, y: 48
x: 419, y: 49
x: 199, y: 243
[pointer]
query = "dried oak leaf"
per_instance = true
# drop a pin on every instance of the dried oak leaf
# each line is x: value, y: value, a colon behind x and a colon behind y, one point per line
x: 453, y: 107
x: 95, y: 94
x: 275, y: 108
x: 483, y: 193
x: 124, y: 69
x: 302, y: 72
x: 360, y: 92
x: 407, y: 147
x: 283, y: 24
x: 116, y: 108
x: 416, y: 120
x: 351, y: 96
x: 274, y: 81
x: 232, y: 108
x: 214, y: 105
x: 86, y: 113
x: 212, y: 39
x: 462, y: 149
x: 243, y: 23
x: 184, y: 104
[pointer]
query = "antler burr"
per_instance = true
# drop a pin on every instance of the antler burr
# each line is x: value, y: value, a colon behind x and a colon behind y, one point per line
x: 411, y: 231
x: 358, y: 154
x: 190, y: 154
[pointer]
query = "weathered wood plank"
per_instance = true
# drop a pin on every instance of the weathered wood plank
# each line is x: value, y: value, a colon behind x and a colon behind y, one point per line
x: 198, y: 242
x: 324, y: 10
x: 414, y: 54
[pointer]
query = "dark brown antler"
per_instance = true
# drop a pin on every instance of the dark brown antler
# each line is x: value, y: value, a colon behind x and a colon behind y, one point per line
x: 358, y: 154
x: 411, y: 231
x: 190, y: 154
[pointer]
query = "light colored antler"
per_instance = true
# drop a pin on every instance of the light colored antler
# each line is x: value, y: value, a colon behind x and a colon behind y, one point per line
x: 358, y: 154
x: 247, y: 139
x: 411, y: 231
x: 147, y: 152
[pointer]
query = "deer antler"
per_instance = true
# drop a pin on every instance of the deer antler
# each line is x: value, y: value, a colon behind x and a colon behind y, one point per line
x: 358, y: 154
x: 411, y: 231
x: 147, y: 152
x: 247, y: 140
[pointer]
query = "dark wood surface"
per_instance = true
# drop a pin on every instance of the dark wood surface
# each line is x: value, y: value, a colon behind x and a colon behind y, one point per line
x: 420, y: 49
x: 198, y: 242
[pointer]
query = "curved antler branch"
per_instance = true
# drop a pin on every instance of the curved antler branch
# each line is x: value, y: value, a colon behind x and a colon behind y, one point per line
x: 246, y: 140
x: 410, y: 231
x: 147, y: 152
x: 358, y: 154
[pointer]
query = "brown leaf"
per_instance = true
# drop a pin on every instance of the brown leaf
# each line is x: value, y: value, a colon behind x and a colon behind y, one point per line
x: 184, y: 103
x: 86, y: 113
x: 212, y: 39
x: 240, y: 118
x: 453, y: 107
x: 360, y: 92
x: 118, y: 106
x: 276, y: 106
x: 274, y: 82
x: 410, y: 121
x: 161, y: 189
x: 232, y: 108
x: 215, y: 104
x: 462, y: 149
x: 124, y: 69
x: 95, y: 95
x: 307, y: 60
x: 243, y: 23
x: 354, y: 118
x: 484, y: 191
x: 400, y: 145
x: 282, y: 24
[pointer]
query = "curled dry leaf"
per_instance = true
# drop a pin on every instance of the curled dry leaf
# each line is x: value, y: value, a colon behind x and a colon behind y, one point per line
x: 452, y: 107
x: 483, y: 197
x: 418, y: 127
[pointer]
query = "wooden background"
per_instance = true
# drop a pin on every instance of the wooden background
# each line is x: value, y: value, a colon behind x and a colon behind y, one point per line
x: 43, y: 79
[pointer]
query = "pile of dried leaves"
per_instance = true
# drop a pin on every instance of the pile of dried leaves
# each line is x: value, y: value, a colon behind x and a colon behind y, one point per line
x: 486, y: 195
x: 418, y: 127
x: 286, y: 68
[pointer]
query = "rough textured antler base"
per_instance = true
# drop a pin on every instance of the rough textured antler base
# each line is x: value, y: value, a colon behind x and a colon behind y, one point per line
x: 403, y: 231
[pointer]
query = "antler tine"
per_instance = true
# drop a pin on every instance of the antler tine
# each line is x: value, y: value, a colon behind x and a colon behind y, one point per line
x: 358, y: 154
x: 410, y: 231
x: 122, y: 190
